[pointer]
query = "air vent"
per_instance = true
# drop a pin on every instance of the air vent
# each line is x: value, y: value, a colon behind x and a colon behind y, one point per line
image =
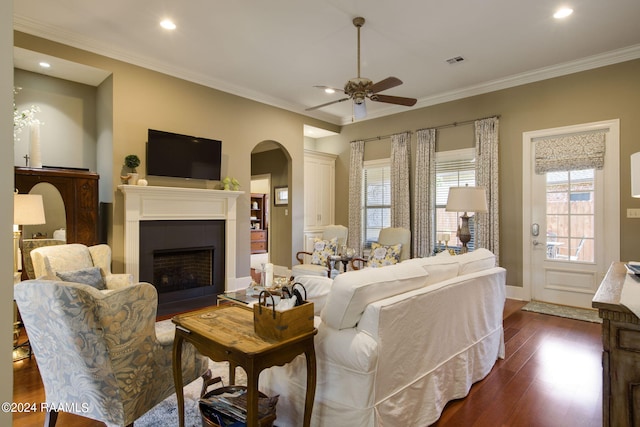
x: 455, y: 60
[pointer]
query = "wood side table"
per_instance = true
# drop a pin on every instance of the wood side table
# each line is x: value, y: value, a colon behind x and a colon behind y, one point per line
x: 621, y: 352
x: 226, y: 333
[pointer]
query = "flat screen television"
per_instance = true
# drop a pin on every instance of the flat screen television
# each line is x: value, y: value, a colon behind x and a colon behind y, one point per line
x: 183, y: 156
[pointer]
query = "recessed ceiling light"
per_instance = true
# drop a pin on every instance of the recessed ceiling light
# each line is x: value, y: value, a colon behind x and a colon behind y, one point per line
x: 330, y: 90
x: 167, y: 24
x: 45, y: 64
x: 563, y: 13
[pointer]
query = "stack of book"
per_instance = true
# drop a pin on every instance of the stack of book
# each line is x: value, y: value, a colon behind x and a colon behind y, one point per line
x: 228, y: 408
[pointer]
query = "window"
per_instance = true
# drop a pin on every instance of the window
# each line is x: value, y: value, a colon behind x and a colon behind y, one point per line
x: 376, y: 199
x: 454, y: 168
x: 571, y: 215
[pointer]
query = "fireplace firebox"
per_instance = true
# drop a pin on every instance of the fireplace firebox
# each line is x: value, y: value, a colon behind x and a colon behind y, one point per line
x: 183, y: 259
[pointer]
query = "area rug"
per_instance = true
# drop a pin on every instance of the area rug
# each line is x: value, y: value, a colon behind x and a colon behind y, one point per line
x: 165, y: 414
x: 563, y: 311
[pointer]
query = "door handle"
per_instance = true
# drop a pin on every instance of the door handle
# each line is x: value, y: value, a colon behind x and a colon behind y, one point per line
x: 536, y: 243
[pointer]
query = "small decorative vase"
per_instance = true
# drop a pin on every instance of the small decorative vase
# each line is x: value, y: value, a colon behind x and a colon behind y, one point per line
x: 143, y: 182
x: 133, y: 178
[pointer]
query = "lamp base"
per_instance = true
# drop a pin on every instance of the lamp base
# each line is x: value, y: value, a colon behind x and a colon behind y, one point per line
x: 464, y: 234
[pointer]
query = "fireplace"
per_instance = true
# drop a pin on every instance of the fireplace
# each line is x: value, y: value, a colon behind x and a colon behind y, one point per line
x: 162, y: 220
x: 183, y: 259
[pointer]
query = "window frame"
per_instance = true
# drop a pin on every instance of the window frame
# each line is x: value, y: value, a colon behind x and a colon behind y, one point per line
x: 372, y: 164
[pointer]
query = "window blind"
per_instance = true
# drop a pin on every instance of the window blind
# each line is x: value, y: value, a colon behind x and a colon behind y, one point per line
x: 570, y: 152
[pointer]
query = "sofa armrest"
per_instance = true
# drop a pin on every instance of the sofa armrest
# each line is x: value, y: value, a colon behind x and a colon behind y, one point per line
x: 117, y: 281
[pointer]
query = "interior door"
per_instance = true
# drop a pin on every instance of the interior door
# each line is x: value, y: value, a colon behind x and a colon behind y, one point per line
x: 570, y: 223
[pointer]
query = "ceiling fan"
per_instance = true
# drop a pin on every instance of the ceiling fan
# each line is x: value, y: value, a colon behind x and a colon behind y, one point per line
x: 360, y: 88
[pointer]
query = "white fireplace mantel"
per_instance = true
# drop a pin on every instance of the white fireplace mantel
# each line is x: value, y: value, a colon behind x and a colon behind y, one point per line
x: 152, y: 203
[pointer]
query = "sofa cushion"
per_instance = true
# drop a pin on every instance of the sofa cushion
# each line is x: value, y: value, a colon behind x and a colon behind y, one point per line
x: 440, y: 267
x: 89, y: 276
x: 383, y: 255
x: 480, y: 259
x: 351, y: 292
x: 323, y: 249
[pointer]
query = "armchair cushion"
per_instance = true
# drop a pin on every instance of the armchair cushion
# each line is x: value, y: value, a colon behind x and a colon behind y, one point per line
x: 322, y: 250
x: 89, y: 276
x: 382, y: 255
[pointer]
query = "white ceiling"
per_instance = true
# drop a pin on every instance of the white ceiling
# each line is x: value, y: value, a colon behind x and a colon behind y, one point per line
x: 275, y: 51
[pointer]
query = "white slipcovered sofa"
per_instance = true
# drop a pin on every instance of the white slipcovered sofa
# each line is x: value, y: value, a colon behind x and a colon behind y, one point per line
x: 395, y: 344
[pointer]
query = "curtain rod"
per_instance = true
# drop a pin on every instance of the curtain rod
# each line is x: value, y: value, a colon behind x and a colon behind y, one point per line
x: 449, y: 125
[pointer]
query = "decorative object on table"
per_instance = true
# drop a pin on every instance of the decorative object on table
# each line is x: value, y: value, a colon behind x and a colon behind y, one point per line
x: 235, y: 184
x: 226, y: 183
x: 24, y: 118
x: 635, y: 175
x: 271, y: 323
x: 132, y: 162
x: 281, y: 196
x: 35, y: 154
x: 466, y: 199
x: 143, y: 182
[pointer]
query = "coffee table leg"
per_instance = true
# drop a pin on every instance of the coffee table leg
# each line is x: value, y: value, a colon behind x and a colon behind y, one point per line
x: 252, y: 397
x: 232, y: 373
x: 310, y: 355
x: 177, y: 376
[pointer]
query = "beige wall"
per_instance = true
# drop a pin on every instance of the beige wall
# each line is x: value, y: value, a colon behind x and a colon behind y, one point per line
x: 606, y: 93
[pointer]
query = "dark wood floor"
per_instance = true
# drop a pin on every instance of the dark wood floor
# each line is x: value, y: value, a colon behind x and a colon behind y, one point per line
x: 551, y: 376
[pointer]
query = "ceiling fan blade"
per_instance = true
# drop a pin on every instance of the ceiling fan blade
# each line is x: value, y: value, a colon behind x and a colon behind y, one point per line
x: 359, y: 110
x: 326, y: 103
x: 409, y: 102
x: 385, y: 84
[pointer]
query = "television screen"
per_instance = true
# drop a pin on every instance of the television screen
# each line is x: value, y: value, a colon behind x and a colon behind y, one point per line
x: 183, y: 156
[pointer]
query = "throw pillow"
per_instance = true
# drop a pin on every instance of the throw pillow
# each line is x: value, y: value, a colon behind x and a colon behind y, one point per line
x: 382, y: 255
x: 89, y: 276
x: 323, y: 249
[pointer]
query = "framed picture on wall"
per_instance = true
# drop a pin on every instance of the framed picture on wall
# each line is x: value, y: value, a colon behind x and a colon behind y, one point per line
x: 281, y: 196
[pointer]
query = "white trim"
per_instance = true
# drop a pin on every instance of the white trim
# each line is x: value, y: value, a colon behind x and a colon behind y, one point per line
x: 612, y: 193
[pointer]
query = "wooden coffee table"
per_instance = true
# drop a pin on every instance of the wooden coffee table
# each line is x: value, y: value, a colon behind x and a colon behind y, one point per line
x: 226, y: 333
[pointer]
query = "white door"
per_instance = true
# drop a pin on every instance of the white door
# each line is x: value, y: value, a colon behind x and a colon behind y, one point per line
x: 570, y: 222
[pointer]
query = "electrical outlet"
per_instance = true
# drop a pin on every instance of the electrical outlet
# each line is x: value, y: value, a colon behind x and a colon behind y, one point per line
x: 633, y: 213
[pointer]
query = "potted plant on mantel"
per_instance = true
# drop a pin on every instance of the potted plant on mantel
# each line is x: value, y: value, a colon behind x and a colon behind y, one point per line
x: 132, y: 162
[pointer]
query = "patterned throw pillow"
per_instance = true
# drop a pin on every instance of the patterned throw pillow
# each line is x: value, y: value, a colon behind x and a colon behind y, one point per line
x: 384, y: 255
x: 89, y: 276
x: 323, y: 249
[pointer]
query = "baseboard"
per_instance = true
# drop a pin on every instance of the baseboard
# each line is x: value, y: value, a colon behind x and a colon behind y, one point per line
x: 517, y: 293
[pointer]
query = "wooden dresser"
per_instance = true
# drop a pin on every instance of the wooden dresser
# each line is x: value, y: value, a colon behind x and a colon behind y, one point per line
x: 621, y: 352
x: 79, y: 192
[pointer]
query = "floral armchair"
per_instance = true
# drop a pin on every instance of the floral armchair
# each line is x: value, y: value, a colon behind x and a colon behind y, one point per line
x: 101, y: 354
x: 325, y: 247
x: 49, y: 261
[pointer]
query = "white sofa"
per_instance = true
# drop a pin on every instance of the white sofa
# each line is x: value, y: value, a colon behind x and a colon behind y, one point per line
x: 395, y: 344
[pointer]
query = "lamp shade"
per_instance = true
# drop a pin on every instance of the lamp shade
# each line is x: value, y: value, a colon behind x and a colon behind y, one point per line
x: 28, y: 209
x: 635, y: 175
x: 467, y: 199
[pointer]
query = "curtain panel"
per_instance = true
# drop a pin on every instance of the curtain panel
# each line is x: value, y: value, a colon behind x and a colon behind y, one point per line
x: 356, y: 162
x: 488, y: 224
x: 400, y: 164
x: 424, y: 193
x: 570, y: 152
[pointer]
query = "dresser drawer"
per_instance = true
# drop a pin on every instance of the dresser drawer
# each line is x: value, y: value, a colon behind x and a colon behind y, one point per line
x: 259, y: 235
x: 258, y: 246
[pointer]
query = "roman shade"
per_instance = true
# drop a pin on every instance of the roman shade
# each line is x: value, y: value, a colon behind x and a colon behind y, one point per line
x: 570, y: 152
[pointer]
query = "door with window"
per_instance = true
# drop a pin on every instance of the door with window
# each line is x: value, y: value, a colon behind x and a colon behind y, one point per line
x: 570, y: 211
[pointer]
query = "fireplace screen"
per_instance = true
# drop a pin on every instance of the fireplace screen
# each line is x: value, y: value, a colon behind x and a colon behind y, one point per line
x: 179, y: 269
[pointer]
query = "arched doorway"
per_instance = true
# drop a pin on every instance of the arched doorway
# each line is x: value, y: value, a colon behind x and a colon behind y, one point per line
x: 270, y: 159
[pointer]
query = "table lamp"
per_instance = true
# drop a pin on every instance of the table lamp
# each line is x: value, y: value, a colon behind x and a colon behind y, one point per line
x: 28, y: 209
x: 635, y: 175
x: 466, y: 199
